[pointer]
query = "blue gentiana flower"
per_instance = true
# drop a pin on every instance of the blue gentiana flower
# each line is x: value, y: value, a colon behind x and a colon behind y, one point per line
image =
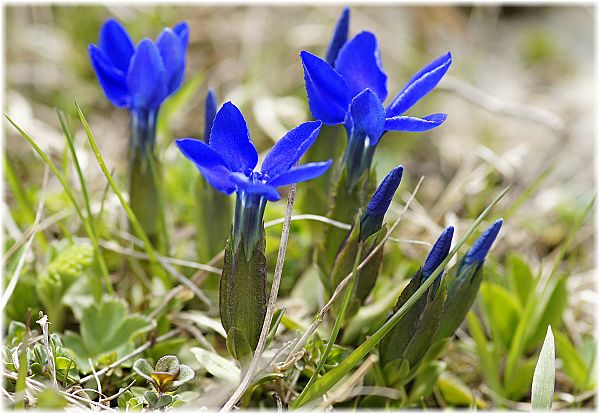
x: 352, y: 92
x: 229, y: 161
x: 438, y: 253
x: 139, y: 77
x: 210, y: 112
x: 372, y: 218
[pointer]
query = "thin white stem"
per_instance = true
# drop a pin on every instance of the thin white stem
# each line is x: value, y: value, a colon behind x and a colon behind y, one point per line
x: 313, y: 217
x: 285, y: 233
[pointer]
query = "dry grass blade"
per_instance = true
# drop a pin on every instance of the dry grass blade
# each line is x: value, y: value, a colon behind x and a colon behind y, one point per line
x: 285, y: 233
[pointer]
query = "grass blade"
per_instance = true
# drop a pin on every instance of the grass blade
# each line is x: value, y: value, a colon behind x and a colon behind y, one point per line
x: 329, y: 379
x: 86, y: 200
x: 542, y: 388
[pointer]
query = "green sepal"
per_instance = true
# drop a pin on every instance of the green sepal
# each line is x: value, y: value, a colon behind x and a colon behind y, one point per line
x: 145, y: 196
x: 345, y: 203
x: 462, y: 290
x: 238, y: 345
x: 366, y: 277
x: 396, y: 372
x: 213, y: 219
x: 243, y: 294
x: 412, y: 337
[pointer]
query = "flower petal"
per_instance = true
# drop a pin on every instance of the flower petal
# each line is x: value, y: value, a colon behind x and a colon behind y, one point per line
x: 359, y: 63
x: 210, y: 111
x: 209, y: 162
x: 419, y: 85
x: 302, y: 173
x: 340, y: 36
x: 229, y: 136
x: 146, y: 79
x: 111, y: 79
x: 244, y: 184
x: 412, y: 124
x: 182, y: 30
x: 288, y: 150
x: 173, y: 58
x: 116, y: 43
x: 367, y: 113
x: 328, y: 94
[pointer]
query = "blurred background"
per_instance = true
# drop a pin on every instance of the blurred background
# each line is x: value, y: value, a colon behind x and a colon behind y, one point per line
x: 519, y: 94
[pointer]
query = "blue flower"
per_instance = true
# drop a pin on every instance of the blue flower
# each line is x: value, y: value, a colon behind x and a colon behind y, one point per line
x: 438, y: 253
x: 229, y: 160
x: 483, y: 244
x: 139, y: 77
x: 340, y: 36
x: 352, y: 91
x: 372, y: 218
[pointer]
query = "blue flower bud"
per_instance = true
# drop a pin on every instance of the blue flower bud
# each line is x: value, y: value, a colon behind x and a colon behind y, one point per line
x: 372, y: 218
x: 340, y: 36
x: 483, y: 244
x: 210, y: 112
x: 438, y: 253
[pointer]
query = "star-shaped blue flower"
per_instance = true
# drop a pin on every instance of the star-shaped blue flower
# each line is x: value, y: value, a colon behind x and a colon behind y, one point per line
x: 229, y: 160
x: 353, y: 90
x: 139, y: 77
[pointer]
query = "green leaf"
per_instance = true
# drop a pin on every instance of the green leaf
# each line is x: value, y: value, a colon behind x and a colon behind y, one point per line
x: 573, y: 364
x: 542, y: 388
x: 238, y: 345
x: 151, y: 398
x: 186, y: 374
x: 520, y: 277
x: 425, y: 382
x: 243, y: 294
x: 105, y: 329
x: 503, y: 310
x: 551, y: 314
x: 456, y: 392
x: 163, y: 402
x: 489, y: 365
x: 169, y: 364
x: 217, y: 366
x: 144, y: 369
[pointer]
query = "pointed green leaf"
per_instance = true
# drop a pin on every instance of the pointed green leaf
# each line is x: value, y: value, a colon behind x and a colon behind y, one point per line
x: 168, y: 364
x: 217, y: 366
x: 542, y: 388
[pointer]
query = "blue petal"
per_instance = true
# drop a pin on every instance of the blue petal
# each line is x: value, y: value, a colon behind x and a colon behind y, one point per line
x: 111, y: 79
x: 340, y: 36
x: 244, y: 184
x: 229, y: 136
x: 182, y: 30
x: 382, y: 198
x: 173, y: 58
x: 483, y: 244
x: 328, y: 94
x: 367, y: 113
x: 360, y: 65
x: 209, y: 162
x: 146, y: 79
x: 210, y: 111
x: 419, y: 85
x: 412, y: 124
x: 289, y: 149
x: 438, y: 252
x: 116, y: 43
x: 302, y: 173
